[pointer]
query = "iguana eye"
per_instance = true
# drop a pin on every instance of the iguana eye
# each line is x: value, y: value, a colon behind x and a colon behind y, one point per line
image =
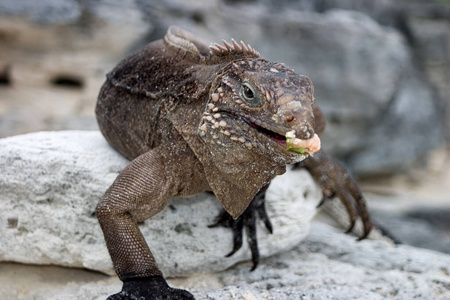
x: 249, y: 94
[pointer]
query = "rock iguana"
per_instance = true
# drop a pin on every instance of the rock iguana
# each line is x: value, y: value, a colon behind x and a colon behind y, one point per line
x: 193, y: 118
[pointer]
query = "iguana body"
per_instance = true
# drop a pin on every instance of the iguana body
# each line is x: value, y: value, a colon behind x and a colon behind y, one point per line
x: 194, y: 119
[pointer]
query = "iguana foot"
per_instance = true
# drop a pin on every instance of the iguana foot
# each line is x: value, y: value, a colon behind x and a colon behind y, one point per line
x: 248, y: 220
x: 150, y: 288
x: 337, y: 182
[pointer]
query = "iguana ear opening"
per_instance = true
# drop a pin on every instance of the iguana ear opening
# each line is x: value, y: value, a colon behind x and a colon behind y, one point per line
x: 181, y: 40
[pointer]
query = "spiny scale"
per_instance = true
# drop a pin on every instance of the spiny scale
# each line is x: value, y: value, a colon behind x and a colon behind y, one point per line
x: 234, y: 47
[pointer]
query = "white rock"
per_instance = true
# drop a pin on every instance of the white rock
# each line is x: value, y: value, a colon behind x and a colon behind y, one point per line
x: 50, y: 183
x: 327, y: 265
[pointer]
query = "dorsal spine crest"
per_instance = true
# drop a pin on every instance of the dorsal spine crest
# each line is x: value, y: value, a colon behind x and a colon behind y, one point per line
x: 233, y: 48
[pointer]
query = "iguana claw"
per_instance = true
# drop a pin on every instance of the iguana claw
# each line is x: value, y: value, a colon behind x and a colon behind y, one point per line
x: 336, y: 181
x: 247, y: 220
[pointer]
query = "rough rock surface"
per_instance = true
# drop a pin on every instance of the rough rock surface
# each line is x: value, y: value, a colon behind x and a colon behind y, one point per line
x: 326, y: 265
x: 50, y: 184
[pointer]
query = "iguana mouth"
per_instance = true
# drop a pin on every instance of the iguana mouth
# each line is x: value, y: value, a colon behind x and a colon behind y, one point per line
x: 286, y: 140
x: 289, y: 141
x: 276, y: 137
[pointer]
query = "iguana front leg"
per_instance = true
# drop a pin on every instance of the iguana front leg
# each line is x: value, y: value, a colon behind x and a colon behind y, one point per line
x: 145, y: 183
x: 336, y: 181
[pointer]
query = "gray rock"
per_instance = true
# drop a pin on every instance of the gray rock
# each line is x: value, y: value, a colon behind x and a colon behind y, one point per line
x: 412, y: 220
x: 50, y: 184
x: 44, y: 12
x: 59, y: 12
x: 433, y: 47
x: 326, y: 265
x: 411, y: 126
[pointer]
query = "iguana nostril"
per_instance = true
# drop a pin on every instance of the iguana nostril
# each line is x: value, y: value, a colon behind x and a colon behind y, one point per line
x: 290, y: 119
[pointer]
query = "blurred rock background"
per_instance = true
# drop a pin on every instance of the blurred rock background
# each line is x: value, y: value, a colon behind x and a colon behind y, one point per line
x: 381, y: 70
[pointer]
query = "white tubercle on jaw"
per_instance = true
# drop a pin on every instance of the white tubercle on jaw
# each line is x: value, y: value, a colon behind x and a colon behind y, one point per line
x: 309, y: 146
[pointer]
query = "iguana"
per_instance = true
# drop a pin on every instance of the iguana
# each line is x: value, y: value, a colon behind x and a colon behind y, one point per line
x: 193, y: 118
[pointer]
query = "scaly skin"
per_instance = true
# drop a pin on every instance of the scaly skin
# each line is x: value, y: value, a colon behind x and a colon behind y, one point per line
x: 194, y: 119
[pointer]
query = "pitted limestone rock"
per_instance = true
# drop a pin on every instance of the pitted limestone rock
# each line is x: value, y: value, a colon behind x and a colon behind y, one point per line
x: 52, y: 181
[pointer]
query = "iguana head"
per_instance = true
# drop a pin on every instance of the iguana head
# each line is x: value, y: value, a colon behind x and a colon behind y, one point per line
x: 262, y: 106
x: 258, y: 117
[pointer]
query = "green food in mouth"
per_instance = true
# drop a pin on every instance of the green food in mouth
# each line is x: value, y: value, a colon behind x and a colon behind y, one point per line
x: 298, y: 150
x: 291, y: 142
